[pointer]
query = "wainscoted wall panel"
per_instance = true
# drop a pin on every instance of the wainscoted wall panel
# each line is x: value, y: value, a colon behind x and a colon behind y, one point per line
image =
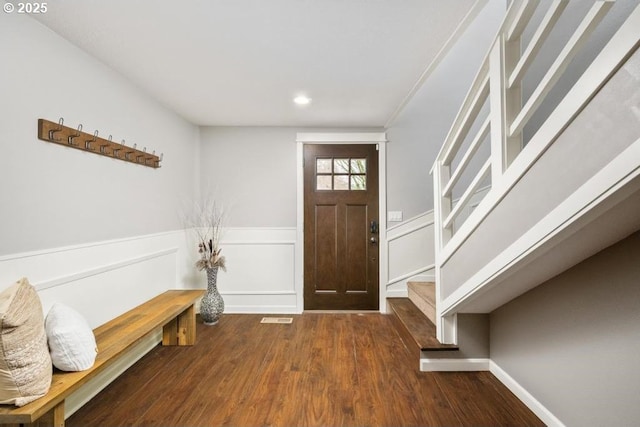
x: 102, y: 279
x: 260, y: 276
x: 117, y: 289
x: 411, y: 253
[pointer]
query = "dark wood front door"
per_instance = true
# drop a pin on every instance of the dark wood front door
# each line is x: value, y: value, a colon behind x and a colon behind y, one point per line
x: 341, y: 227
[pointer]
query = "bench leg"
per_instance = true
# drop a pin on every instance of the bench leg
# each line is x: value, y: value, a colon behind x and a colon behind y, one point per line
x: 53, y: 418
x: 181, y: 330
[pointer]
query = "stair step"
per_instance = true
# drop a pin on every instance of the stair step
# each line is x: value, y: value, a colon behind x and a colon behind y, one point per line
x: 416, y: 327
x: 423, y: 295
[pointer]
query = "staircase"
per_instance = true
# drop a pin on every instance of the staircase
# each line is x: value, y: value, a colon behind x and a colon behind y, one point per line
x: 542, y: 218
x: 423, y: 295
x: 415, y: 318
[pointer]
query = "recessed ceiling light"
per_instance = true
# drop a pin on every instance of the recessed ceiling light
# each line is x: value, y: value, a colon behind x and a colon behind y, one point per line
x: 302, y: 100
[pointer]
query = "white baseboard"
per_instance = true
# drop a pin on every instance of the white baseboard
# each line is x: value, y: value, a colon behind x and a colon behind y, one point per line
x: 423, y: 278
x: 532, y: 403
x: 454, y: 365
x: 266, y: 309
x: 397, y: 293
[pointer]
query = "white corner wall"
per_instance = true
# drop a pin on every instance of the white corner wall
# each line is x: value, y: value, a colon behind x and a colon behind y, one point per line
x: 98, y: 234
x: 53, y: 196
x: 417, y: 133
x: 572, y: 343
x: 252, y: 171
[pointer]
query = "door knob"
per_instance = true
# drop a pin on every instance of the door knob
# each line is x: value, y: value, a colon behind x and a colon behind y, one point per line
x: 373, y: 240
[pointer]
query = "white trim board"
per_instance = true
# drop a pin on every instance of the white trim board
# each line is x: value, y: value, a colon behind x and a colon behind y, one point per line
x: 454, y: 365
x: 521, y: 393
x: 99, y: 270
x: 379, y: 138
x: 416, y: 223
x: 39, y: 252
x: 425, y: 218
x: 486, y: 364
x: 411, y: 274
x: 259, y: 309
x: 397, y: 293
x: 341, y: 137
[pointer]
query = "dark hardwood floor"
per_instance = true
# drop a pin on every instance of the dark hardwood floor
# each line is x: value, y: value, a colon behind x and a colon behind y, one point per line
x: 322, y: 370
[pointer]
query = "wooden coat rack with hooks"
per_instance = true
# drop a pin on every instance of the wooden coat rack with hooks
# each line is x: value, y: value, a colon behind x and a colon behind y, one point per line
x: 75, y: 138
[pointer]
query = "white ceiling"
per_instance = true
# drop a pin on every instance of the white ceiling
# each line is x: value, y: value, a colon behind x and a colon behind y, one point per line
x: 241, y: 62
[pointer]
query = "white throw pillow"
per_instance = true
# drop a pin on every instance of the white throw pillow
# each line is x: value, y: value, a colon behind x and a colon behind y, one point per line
x: 71, y: 341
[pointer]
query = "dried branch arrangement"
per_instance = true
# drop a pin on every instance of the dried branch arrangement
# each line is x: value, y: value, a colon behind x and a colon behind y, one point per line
x: 207, y: 219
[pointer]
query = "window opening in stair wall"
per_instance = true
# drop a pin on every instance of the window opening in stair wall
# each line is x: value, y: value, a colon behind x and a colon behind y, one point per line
x: 478, y: 158
x: 557, y: 39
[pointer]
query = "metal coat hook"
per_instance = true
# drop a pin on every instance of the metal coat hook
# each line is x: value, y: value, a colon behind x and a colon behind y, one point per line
x: 59, y: 129
x: 117, y: 149
x: 127, y: 153
x: 72, y: 137
x: 103, y: 145
x: 87, y: 142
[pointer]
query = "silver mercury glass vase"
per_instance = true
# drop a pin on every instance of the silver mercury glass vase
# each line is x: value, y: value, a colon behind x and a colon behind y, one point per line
x: 212, y: 305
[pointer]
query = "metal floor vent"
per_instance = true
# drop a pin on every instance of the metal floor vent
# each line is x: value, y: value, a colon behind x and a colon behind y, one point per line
x: 283, y: 320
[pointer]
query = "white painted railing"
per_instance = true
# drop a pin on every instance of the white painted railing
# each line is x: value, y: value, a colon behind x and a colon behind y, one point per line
x: 499, y: 84
x: 485, y: 143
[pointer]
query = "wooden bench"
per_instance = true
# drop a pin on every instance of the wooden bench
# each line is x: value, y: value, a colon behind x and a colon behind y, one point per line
x: 172, y: 310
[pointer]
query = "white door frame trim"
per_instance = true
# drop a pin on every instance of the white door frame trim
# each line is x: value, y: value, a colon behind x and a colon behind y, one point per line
x: 379, y: 138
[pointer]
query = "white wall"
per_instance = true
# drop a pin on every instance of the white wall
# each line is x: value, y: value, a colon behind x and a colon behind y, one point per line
x: 252, y: 170
x: 96, y: 233
x: 53, y: 196
x: 416, y: 135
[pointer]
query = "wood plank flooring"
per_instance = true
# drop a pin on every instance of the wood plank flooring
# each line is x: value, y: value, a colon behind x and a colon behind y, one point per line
x: 321, y: 370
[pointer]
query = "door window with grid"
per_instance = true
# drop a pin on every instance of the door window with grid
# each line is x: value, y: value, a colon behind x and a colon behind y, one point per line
x: 341, y: 174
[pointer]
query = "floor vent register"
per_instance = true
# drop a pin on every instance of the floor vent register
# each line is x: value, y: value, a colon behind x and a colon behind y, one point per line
x: 281, y: 320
